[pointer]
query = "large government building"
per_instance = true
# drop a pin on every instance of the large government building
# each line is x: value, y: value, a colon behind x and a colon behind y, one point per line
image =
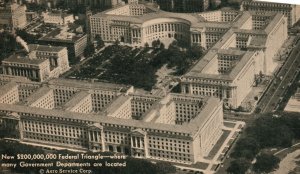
x: 138, y: 24
x: 229, y: 67
x: 38, y: 63
x: 98, y: 116
x: 240, y: 44
x: 291, y: 11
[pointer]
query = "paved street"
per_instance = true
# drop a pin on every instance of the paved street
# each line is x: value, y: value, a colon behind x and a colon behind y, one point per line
x: 281, y: 81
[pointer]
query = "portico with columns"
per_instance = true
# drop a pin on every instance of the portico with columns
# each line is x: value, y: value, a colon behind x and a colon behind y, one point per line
x: 96, y: 137
x: 11, y: 124
x: 139, y: 147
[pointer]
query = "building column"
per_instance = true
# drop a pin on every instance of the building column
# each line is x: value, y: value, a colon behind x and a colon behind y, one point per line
x: 102, y: 140
x: 89, y: 136
x: 191, y: 89
x: 20, y: 129
x: 93, y: 134
x: 33, y: 73
x: 131, y: 141
x: 203, y: 41
x: 9, y: 71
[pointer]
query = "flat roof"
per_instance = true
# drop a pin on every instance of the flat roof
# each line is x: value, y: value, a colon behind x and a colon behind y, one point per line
x: 57, y: 36
x: 189, y: 128
x: 24, y: 60
x: 197, y: 70
x: 4, y: 89
x: 74, y: 101
x: 117, y: 103
x: 238, y: 22
x: 258, y: 42
x: 36, y: 47
x: 40, y: 92
x: 191, y: 17
x: 271, y: 26
x: 84, y: 84
x: 99, y: 117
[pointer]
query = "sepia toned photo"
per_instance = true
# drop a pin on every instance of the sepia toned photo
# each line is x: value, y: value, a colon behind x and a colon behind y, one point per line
x: 149, y: 87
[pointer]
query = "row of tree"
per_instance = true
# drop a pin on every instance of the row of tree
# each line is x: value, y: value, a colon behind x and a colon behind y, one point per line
x: 137, y: 66
x: 8, y: 45
x: 267, y: 131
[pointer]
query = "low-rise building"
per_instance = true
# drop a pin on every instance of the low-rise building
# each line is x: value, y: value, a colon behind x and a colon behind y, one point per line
x: 12, y: 16
x: 58, y: 17
x: 41, y: 63
x: 75, y: 42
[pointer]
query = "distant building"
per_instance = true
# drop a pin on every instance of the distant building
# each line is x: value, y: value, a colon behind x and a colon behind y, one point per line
x: 40, y: 64
x: 12, y: 16
x: 138, y: 24
x: 30, y: 16
x: 94, y: 4
x: 75, y: 42
x: 183, y: 6
x: 292, y: 12
x: 58, y: 17
x: 34, y: 69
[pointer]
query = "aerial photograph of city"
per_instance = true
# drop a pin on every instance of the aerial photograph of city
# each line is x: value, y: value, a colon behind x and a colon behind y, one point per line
x: 149, y: 87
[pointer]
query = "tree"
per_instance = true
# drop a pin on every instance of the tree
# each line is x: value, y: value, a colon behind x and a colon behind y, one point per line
x: 8, y: 45
x: 100, y: 42
x: 195, y: 52
x: 266, y: 163
x: 165, y: 167
x: 246, y: 147
x: 146, y: 45
x: 117, y: 42
x: 89, y: 50
x: 271, y: 132
x: 238, y: 166
x: 213, y: 5
x: 154, y: 44
x: 27, y: 37
x: 162, y: 46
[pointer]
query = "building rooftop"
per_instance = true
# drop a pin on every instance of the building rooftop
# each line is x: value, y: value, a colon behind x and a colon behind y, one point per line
x: 188, y: 17
x: 20, y: 58
x: 99, y: 117
x: 189, y: 128
x: 262, y: 2
x: 258, y: 42
x: 209, y: 104
x: 36, y: 47
x: 239, y: 21
x: 75, y: 100
x: 59, y: 13
x: 40, y: 92
x: 117, y: 103
x: 60, y: 35
x: 198, y: 69
x: 89, y: 85
x: 271, y: 26
x: 4, y: 89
